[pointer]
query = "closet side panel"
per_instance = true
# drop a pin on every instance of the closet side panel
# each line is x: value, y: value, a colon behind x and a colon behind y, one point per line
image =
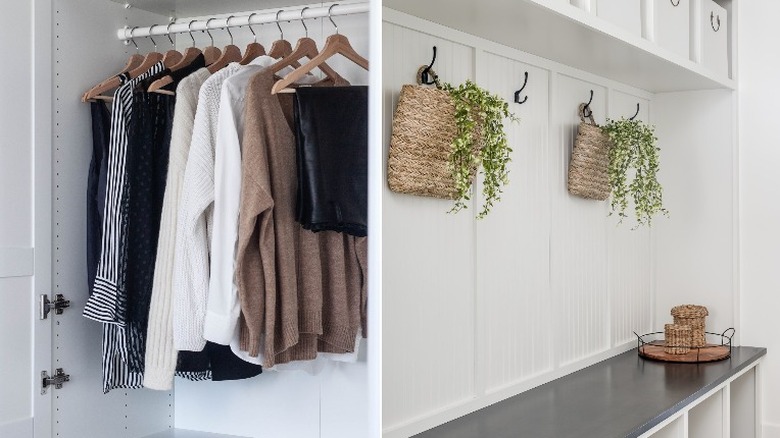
x: 695, y: 245
x: 513, y: 249
x: 87, y: 52
x: 630, y: 262
x: 578, y: 259
x: 428, y: 261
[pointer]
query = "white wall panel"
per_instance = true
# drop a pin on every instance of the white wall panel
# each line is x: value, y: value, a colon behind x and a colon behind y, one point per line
x: 695, y: 245
x: 513, y: 241
x: 578, y: 236
x: 428, y: 256
x: 476, y: 311
x: 759, y: 215
x: 630, y: 265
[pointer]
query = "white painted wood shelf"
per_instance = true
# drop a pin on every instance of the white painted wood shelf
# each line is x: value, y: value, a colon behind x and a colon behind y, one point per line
x: 181, y: 433
x: 566, y: 34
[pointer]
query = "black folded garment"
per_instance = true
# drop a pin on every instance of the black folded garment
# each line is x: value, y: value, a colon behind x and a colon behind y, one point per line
x: 331, y: 126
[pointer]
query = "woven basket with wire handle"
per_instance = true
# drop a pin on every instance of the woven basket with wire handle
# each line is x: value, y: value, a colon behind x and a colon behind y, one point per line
x: 693, y: 316
x: 588, y: 177
x: 677, y: 339
x: 424, y: 130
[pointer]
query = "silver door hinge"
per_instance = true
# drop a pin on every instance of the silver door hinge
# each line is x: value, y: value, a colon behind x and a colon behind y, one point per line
x: 58, y: 305
x: 57, y: 380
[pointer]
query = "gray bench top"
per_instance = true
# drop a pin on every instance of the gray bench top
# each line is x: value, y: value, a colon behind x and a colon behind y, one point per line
x: 624, y: 396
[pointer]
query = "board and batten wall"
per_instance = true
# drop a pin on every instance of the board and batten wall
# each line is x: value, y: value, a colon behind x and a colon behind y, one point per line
x: 759, y: 93
x: 476, y: 311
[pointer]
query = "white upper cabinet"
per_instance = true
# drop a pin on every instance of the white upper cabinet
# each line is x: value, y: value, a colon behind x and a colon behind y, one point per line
x: 578, y: 37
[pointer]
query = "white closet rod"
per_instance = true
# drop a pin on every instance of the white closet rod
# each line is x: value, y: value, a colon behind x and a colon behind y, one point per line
x: 183, y: 26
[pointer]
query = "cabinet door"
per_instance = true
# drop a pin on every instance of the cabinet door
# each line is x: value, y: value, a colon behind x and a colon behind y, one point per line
x: 17, y: 213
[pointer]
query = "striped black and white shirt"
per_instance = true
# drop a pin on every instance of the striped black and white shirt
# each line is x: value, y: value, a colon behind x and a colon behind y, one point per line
x: 108, y: 302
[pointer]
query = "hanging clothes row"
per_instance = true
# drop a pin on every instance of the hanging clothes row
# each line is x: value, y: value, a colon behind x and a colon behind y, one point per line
x: 227, y: 213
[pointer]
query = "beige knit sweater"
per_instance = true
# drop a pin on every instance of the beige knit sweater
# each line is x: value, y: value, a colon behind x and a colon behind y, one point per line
x: 300, y: 292
x: 161, y: 356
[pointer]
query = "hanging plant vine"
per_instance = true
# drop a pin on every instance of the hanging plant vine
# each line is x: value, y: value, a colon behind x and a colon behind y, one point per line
x: 634, y: 147
x: 481, y: 144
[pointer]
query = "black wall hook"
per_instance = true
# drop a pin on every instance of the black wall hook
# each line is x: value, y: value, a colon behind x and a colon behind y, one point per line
x: 586, y: 111
x: 517, y: 93
x: 636, y: 114
x: 427, y: 77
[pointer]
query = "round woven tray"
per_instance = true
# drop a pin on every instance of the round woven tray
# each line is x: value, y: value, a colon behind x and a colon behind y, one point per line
x: 709, y: 353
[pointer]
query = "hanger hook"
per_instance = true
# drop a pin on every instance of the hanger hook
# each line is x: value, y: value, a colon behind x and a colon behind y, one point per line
x: 211, y: 37
x: 636, y: 114
x: 168, y: 30
x: 249, y: 23
x: 330, y: 17
x: 587, y: 107
x: 279, y: 24
x: 151, y: 28
x: 424, y: 75
x: 517, y: 93
x: 189, y: 27
x: 132, y: 38
x: 227, y: 28
x: 303, y: 22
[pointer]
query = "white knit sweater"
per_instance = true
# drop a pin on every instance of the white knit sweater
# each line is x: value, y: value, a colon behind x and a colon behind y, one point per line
x: 161, y: 356
x: 193, y: 233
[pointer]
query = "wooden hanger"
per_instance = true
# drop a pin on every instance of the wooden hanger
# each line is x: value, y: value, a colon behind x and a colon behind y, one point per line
x: 211, y: 53
x: 305, y: 48
x: 281, y: 48
x: 230, y: 54
x: 135, y: 60
x: 335, y: 44
x: 172, y: 57
x: 149, y: 60
x: 190, y: 54
x: 189, y: 57
x: 254, y: 50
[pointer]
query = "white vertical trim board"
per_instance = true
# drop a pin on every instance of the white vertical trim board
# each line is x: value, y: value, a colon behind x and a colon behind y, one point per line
x: 478, y: 311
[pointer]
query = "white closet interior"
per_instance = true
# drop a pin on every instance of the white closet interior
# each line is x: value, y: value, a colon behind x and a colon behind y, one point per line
x: 86, y: 50
x: 478, y: 311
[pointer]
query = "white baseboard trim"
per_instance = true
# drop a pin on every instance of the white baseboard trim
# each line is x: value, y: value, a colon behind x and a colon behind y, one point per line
x: 17, y: 429
x: 771, y: 430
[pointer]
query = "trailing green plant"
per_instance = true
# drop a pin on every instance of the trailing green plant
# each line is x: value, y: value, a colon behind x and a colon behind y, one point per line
x: 634, y: 147
x: 480, y: 144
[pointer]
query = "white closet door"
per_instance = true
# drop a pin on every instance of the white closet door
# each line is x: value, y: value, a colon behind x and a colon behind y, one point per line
x: 17, y: 281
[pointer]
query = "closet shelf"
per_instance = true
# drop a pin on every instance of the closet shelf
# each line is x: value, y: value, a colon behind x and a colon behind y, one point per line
x: 558, y: 31
x: 181, y: 433
x: 194, y: 8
